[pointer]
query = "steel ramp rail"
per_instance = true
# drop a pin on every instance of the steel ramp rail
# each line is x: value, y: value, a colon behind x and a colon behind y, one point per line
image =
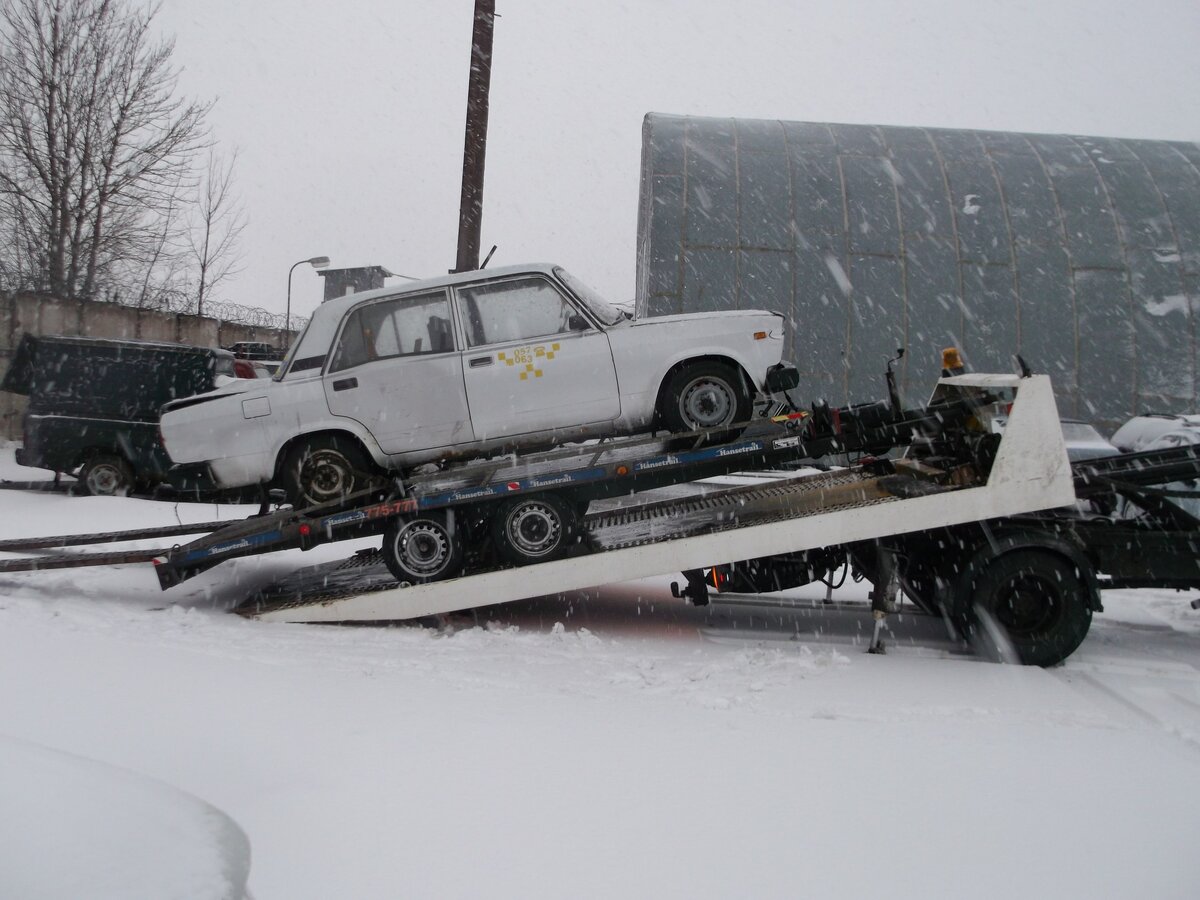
x: 103, y: 558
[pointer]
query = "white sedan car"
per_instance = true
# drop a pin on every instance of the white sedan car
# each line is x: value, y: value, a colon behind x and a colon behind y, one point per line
x: 467, y: 364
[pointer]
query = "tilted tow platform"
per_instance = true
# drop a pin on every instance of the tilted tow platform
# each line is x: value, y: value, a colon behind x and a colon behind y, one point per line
x: 956, y: 470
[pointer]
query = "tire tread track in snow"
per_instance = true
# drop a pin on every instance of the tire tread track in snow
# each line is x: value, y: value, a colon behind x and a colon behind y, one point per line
x: 1151, y: 696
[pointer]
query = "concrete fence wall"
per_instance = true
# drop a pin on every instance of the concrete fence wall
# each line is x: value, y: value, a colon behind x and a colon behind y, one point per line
x: 22, y: 314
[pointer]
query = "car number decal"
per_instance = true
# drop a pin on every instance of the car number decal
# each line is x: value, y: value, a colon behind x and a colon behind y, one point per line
x: 530, y: 358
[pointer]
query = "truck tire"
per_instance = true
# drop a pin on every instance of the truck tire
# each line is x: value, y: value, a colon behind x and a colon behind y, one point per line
x: 323, y: 469
x: 1039, y: 600
x: 106, y: 475
x: 423, y: 548
x: 534, y: 529
x: 705, y: 394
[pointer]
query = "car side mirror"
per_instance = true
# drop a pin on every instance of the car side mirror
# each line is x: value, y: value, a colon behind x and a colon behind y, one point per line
x: 576, y: 322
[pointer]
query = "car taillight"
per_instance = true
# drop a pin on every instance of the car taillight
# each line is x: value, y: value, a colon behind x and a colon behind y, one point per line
x: 244, y: 369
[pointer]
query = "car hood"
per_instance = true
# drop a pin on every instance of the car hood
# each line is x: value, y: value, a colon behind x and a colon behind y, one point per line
x: 719, y: 316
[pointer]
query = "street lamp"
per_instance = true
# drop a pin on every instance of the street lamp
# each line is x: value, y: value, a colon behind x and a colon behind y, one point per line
x: 317, y: 262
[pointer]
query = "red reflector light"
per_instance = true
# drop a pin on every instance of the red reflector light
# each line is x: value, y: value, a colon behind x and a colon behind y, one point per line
x: 622, y: 470
x: 305, y: 530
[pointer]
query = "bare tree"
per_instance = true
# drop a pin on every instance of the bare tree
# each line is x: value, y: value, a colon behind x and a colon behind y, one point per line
x: 216, y: 231
x: 94, y: 145
x: 161, y: 264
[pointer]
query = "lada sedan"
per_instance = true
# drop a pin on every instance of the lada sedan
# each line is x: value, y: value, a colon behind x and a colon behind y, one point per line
x: 469, y: 364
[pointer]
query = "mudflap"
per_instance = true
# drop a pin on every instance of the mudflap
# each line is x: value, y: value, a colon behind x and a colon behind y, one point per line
x: 696, y: 591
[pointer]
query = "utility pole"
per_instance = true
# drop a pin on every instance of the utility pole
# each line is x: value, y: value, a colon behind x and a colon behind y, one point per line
x: 470, y: 207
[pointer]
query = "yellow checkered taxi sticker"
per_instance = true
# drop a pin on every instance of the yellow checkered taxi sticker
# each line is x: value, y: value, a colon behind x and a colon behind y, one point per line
x: 530, y: 359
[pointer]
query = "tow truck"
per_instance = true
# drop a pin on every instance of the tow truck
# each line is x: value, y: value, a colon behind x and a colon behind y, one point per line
x: 991, y: 528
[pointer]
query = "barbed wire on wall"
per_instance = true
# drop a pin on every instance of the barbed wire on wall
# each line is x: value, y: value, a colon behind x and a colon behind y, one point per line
x: 183, y: 304
x: 254, y: 316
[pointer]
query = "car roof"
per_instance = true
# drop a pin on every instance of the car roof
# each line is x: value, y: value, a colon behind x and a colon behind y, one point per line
x: 339, y: 305
x: 324, y: 321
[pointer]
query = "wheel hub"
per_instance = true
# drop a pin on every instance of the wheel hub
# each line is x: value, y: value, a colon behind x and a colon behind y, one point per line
x: 534, y: 528
x: 706, y: 404
x: 1028, y: 605
x: 423, y: 547
x: 325, y: 475
x: 103, y: 480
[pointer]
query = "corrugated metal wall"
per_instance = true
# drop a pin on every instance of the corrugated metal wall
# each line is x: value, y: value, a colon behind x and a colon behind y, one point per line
x: 1082, y: 254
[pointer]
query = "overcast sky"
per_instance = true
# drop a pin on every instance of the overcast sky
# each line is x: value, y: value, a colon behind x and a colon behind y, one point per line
x: 349, y: 115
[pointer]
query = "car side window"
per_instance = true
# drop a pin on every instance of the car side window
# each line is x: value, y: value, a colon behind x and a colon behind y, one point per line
x: 520, y: 309
x: 402, y: 326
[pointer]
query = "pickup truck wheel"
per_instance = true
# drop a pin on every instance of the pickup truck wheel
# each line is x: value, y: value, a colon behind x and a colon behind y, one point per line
x: 106, y: 475
x: 1038, y: 599
x: 423, y: 548
x: 705, y: 395
x: 534, y: 529
x: 324, y: 469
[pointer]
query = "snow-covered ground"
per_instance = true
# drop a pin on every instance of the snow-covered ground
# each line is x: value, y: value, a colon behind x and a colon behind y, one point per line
x: 614, y: 743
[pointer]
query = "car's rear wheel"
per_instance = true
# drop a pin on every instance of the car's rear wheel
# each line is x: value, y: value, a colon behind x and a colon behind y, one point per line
x: 324, y: 469
x: 423, y: 548
x: 106, y: 475
x: 705, y: 394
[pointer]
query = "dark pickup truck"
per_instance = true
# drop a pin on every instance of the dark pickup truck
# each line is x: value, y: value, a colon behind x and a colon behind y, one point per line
x: 94, y: 402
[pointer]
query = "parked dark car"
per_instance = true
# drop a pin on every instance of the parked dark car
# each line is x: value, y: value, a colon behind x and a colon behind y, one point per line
x: 258, y: 350
x: 94, y: 402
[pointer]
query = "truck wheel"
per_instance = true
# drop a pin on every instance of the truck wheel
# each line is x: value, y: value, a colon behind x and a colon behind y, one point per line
x: 705, y: 395
x: 423, y: 548
x: 1039, y: 600
x: 106, y: 475
x: 534, y: 529
x: 324, y: 469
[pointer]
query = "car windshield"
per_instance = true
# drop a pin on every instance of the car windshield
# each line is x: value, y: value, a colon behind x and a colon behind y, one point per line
x: 597, y: 305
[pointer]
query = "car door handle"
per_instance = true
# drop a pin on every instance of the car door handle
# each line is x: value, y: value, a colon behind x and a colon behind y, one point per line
x: 345, y: 384
x: 481, y: 361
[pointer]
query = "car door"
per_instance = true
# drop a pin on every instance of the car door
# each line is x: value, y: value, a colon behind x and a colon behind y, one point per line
x: 533, y: 362
x: 397, y: 371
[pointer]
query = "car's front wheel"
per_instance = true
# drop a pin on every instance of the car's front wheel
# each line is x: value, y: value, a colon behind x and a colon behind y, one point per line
x: 324, y: 469
x: 705, y: 395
